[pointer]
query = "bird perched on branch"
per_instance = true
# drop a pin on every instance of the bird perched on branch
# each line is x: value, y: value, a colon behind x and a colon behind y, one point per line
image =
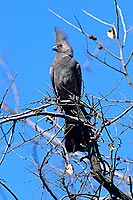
x: 66, y: 78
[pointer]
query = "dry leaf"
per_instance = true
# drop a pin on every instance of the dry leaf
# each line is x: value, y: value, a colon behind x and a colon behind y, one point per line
x: 69, y: 169
x: 111, y: 33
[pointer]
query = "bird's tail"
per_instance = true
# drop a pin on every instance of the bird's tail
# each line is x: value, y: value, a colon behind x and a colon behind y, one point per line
x: 76, y: 137
x: 76, y: 134
x: 73, y: 110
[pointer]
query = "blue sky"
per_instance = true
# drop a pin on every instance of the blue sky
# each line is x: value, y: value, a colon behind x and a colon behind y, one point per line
x: 26, y: 40
x: 27, y: 36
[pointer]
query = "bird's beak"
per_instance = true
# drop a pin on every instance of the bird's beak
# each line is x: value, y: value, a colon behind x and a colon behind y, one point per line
x: 54, y: 48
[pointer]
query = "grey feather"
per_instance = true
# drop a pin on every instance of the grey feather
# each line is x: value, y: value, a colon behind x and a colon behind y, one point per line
x: 65, y: 72
x: 60, y: 35
x: 66, y: 78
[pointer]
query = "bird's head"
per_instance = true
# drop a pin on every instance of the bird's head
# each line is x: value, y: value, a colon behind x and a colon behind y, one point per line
x: 62, y: 45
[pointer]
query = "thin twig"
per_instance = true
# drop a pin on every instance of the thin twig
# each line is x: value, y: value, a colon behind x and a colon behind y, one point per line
x: 124, y: 26
x: 13, y: 86
x: 9, y: 142
x: 8, y: 189
x: 129, y: 29
x: 131, y: 55
x: 127, y: 76
x: 117, y: 20
x: 105, y: 63
x: 122, y: 114
x: 3, y: 98
x: 66, y: 21
x: 131, y: 186
x: 99, y: 20
x: 46, y: 185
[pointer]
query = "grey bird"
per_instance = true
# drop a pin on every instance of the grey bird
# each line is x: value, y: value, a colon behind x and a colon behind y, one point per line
x: 66, y: 78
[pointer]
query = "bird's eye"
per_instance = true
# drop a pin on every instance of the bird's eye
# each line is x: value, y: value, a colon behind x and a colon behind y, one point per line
x: 59, y: 46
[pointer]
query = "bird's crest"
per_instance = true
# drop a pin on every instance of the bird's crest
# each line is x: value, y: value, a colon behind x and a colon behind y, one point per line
x: 60, y: 35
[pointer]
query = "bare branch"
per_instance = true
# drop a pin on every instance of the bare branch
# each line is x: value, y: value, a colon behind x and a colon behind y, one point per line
x: 122, y: 114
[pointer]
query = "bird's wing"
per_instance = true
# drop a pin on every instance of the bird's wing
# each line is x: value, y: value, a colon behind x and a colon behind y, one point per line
x: 52, y: 77
x: 78, y: 77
